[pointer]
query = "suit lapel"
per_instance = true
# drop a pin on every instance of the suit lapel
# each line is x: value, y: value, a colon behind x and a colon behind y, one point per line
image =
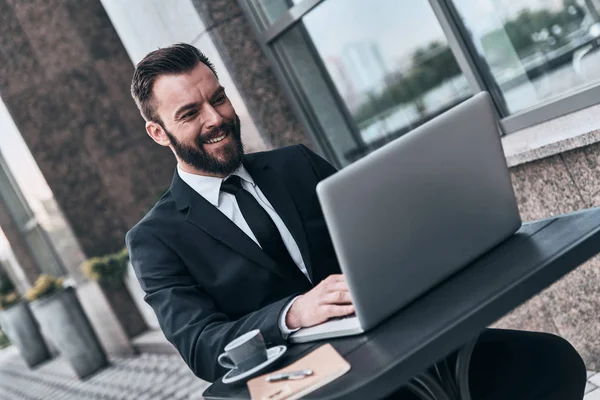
x: 280, y: 198
x: 208, y: 218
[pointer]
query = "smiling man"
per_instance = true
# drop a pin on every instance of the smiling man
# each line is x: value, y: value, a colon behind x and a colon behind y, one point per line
x: 239, y: 242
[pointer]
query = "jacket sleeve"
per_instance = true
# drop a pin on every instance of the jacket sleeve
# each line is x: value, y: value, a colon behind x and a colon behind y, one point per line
x: 187, y: 315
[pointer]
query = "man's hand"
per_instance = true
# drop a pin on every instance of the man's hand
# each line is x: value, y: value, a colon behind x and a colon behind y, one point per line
x: 328, y: 299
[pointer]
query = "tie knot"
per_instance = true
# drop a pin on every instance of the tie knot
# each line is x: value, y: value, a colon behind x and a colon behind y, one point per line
x: 232, y: 185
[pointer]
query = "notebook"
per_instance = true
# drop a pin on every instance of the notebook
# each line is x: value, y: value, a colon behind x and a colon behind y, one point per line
x: 326, y: 364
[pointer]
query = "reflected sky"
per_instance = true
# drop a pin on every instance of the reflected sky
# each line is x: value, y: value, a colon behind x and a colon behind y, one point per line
x: 397, y: 26
x: 401, y: 26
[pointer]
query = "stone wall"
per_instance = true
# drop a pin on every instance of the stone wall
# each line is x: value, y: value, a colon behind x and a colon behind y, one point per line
x: 571, y: 307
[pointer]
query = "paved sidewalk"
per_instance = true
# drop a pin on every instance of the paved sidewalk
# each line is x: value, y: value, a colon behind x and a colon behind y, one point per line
x: 592, y: 389
x: 146, y: 376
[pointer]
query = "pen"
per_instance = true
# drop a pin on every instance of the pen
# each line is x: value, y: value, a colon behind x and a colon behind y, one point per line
x: 284, y: 376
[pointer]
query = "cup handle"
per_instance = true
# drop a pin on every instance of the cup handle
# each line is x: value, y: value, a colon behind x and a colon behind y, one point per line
x: 225, y: 361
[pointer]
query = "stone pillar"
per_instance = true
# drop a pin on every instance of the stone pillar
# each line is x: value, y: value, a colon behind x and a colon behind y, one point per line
x: 252, y: 73
x: 65, y: 77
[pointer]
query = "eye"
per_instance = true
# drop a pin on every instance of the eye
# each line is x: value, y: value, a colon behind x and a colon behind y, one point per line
x: 188, y: 114
x: 221, y: 98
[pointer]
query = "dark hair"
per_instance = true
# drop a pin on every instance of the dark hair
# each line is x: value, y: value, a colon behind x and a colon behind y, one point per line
x: 175, y: 59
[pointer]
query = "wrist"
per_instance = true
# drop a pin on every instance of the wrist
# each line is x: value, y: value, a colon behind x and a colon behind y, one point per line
x: 292, y: 319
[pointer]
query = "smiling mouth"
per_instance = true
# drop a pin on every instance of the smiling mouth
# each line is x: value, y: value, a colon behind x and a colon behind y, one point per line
x: 217, y: 139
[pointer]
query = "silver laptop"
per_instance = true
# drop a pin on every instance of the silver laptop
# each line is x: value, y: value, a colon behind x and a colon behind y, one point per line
x: 408, y: 215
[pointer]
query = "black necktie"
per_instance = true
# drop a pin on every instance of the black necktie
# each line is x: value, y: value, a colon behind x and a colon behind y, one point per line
x: 260, y: 223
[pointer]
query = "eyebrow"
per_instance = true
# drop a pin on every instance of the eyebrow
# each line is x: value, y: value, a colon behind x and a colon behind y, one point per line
x: 190, y: 106
x: 183, y: 109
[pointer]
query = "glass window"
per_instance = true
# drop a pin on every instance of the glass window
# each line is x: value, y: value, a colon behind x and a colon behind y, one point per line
x: 316, y: 98
x: 32, y: 232
x: 390, y: 63
x: 271, y: 10
x: 534, y: 50
x: 27, y: 196
x: 42, y: 250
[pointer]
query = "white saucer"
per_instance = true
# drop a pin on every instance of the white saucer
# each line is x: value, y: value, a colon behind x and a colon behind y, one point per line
x: 273, y: 354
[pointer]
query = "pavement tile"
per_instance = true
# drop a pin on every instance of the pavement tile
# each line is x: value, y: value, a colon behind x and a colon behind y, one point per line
x: 128, y: 378
x: 595, y: 379
x: 593, y: 395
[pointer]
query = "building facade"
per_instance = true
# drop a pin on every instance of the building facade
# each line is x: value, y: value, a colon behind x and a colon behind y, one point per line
x: 342, y: 76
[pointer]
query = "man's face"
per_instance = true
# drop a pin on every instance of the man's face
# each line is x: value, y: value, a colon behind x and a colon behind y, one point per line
x: 198, y: 122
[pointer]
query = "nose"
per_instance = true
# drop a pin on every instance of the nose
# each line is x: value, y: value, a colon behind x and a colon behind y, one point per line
x: 211, y: 117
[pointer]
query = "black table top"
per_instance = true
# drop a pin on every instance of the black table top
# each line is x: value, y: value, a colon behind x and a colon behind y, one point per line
x: 453, y: 312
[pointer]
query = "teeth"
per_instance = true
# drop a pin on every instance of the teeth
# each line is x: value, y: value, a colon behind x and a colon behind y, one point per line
x: 217, y: 139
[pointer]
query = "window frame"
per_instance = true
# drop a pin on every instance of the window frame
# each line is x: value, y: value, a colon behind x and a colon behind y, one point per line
x: 30, y: 226
x: 461, y: 46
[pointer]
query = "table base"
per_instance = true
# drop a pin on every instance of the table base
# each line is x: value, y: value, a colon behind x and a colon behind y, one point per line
x: 442, y: 382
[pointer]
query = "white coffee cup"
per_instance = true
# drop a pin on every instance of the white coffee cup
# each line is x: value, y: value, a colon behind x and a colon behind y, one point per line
x: 245, y: 352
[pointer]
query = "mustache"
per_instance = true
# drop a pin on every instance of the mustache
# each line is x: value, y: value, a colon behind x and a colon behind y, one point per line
x: 225, y: 128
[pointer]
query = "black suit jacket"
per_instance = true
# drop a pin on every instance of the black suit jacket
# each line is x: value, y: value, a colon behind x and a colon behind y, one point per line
x: 207, y: 281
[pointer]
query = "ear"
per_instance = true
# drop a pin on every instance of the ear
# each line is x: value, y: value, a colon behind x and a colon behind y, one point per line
x: 157, y: 133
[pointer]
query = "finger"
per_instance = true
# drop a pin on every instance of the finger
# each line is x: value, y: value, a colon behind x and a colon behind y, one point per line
x: 337, y: 287
x: 335, y: 278
x: 340, y: 297
x: 332, y: 311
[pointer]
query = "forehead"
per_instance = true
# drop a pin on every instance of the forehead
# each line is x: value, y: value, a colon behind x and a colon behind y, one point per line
x: 172, y: 91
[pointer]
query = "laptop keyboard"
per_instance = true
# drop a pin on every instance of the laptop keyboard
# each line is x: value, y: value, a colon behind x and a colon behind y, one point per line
x: 334, y: 327
x: 341, y: 318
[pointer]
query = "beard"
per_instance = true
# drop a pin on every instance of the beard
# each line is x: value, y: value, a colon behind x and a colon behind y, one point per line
x: 197, y: 157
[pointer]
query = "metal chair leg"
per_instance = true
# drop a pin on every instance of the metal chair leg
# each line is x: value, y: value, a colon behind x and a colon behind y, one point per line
x: 446, y: 379
x: 418, y: 390
x: 440, y: 384
x: 431, y: 389
x: 463, y: 361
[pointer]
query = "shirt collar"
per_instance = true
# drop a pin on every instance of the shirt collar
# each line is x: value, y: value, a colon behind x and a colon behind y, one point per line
x: 209, y: 187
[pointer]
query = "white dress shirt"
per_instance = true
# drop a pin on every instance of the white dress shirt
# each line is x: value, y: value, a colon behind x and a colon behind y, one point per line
x: 209, y: 187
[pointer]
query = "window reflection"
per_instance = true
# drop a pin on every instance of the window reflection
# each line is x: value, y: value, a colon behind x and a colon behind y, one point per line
x: 535, y: 50
x: 390, y: 62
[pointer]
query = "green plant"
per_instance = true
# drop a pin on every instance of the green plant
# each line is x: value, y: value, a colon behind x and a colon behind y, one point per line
x: 3, y: 340
x: 8, y: 293
x: 45, y: 285
x: 111, y: 268
x: 6, y: 285
x: 8, y: 299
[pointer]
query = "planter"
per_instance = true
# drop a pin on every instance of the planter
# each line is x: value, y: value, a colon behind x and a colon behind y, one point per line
x: 125, y: 309
x: 23, y: 331
x: 62, y: 318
